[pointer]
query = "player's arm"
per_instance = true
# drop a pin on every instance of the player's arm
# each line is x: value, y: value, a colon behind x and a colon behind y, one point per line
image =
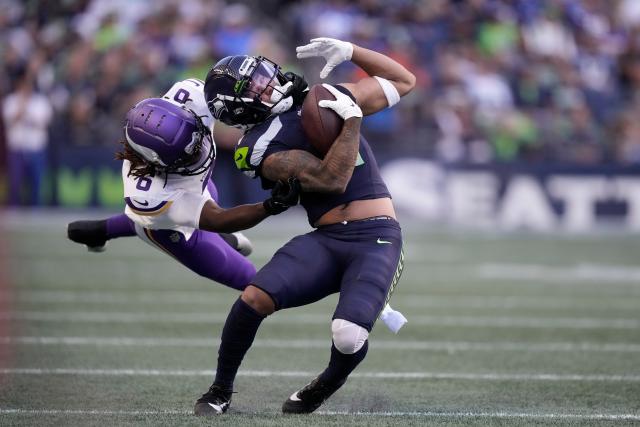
x: 214, y: 218
x: 331, y: 174
x: 388, y: 79
x: 219, y: 220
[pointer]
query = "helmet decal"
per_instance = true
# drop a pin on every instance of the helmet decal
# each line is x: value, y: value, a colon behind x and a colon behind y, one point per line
x: 239, y: 86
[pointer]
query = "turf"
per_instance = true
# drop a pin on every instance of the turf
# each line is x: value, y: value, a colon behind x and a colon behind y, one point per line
x: 503, y: 330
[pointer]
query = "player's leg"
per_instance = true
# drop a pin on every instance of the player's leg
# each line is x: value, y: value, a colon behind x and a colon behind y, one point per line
x: 374, y: 269
x: 238, y: 241
x: 95, y: 234
x: 204, y: 253
x: 301, y: 272
x: 238, y: 334
x: 366, y: 288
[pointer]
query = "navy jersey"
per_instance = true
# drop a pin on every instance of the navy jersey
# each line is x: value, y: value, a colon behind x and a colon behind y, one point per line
x: 284, y: 132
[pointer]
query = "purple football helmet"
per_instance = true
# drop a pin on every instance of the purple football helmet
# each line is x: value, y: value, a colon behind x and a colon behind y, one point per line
x: 245, y: 90
x: 169, y: 136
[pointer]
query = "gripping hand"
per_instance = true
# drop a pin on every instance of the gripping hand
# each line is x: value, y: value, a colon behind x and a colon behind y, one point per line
x: 299, y: 88
x: 283, y: 196
x: 343, y: 105
x: 333, y: 51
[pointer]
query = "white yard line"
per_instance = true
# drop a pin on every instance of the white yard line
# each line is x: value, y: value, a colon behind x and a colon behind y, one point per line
x: 402, y: 299
x: 577, y: 302
x: 319, y: 319
x: 599, y: 273
x: 9, y: 411
x: 508, y: 415
x: 116, y: 297
x: 416, y: 414
x: 212, y: 342
x: 368, y: 375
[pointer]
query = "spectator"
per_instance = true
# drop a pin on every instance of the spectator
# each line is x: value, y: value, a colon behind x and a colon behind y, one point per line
x: 27, y: 114
x: 236, y: 32
x: 492, y: 74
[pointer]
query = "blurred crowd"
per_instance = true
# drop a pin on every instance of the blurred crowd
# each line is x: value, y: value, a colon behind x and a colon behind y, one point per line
x: 553, y: 81
x: 503, y: 80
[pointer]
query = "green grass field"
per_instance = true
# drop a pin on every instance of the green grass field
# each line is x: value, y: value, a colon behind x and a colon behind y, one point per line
x: 503, y: 330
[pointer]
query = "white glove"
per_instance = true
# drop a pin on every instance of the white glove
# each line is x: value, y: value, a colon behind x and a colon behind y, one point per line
x: 333, y: 51
x: 343, y: 105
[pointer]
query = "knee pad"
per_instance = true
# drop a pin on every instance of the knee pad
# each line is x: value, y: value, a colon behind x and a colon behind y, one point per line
x: 347, y: 336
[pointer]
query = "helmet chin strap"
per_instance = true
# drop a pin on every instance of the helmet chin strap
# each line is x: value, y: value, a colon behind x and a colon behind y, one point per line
x: 281, y: 103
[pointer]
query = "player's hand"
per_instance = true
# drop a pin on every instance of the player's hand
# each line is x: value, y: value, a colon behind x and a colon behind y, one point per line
x: 283, y: 196
x: 344, y: 106
x: 299, y: 87
x: 333, y: 51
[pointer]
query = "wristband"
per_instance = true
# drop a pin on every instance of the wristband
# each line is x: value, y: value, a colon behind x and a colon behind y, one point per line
x: 390, y: 91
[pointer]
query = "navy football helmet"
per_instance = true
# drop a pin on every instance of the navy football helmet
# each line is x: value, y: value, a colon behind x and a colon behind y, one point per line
x: 243, y: 90
x: 169, y: 137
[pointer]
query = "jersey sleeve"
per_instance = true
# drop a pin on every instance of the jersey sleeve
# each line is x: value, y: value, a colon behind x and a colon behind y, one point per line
x: 184, y: 210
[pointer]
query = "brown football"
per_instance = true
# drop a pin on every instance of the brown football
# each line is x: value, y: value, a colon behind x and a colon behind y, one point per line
x: 321, y: 125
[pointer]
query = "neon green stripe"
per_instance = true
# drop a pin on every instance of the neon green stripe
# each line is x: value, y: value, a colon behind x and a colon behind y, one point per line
x: 395, y: 280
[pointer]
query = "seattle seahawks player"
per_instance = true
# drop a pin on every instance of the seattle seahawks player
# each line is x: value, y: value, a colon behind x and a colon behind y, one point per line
x: 356, y: 247
x: 168, y: 156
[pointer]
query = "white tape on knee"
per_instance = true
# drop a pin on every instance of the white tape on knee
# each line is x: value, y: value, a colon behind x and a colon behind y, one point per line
x: 347, y: 336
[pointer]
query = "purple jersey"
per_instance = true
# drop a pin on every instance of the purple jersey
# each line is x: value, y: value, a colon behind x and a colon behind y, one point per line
x: 284, y: 132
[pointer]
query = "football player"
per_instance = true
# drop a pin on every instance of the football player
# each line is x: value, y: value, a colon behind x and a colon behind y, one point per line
x: 168, y: 156
x: 356, y: 247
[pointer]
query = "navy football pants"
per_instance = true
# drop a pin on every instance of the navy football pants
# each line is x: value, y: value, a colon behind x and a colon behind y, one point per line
x: 360, y: 259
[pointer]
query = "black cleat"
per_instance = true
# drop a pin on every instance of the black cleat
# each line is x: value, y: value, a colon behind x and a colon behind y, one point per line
x: 310, y: 397
x: 214, y: 402
x: 92, y: 234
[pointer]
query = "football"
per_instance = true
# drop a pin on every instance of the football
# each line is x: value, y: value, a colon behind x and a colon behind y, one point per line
x: 321, y: 125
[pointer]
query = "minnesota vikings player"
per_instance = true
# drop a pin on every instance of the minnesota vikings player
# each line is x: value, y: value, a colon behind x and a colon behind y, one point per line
x: 168, y: 156
x: 356, y: 247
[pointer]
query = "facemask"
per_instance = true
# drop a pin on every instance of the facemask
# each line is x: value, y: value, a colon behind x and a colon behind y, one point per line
x: 280, y: 102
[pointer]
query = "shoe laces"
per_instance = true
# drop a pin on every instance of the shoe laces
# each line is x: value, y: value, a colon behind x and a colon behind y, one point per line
x: 318, y: 390
x: 216, y: 394
x: 314, y: 390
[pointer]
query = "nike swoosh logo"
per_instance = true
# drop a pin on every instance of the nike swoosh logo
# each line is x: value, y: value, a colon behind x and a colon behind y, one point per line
x: 383, y: 242
x: 239, y: 157
x: 146, y: 203
x: 218, y: 408
x: 295, y: 397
